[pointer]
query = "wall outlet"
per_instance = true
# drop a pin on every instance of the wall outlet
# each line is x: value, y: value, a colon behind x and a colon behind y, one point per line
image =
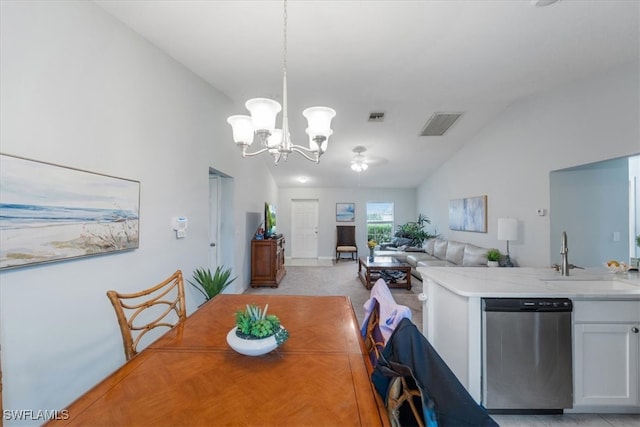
x: 181, y: 234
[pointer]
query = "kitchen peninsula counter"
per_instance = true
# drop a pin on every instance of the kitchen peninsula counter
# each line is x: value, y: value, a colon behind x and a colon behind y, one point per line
x: 452, y: 318
x: 534, y: 282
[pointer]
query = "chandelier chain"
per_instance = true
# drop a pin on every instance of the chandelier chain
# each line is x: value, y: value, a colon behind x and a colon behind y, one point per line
x: 284, y: 50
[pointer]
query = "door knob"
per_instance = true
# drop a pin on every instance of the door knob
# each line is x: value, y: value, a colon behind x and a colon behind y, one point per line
x: 635, y: 330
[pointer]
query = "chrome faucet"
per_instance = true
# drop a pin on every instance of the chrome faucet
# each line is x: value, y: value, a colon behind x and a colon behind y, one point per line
x: 564, y: 251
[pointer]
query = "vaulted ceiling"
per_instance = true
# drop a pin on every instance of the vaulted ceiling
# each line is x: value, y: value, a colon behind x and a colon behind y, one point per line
x: 406, y: 59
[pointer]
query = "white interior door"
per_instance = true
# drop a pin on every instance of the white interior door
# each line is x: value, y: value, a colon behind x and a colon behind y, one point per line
x: 304, y: 228
x: 214, y: 223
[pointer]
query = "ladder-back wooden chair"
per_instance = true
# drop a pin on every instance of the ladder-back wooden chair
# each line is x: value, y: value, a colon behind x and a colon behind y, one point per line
x: 403, y: 400
x: 373, y: 339
x: 138, y: 313
x: 346, y: 241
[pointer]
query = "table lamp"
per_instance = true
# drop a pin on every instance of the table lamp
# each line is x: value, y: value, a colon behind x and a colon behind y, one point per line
x: 507, y: 230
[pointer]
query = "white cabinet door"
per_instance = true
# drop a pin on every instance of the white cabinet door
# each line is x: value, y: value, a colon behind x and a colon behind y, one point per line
x: 606, y: 364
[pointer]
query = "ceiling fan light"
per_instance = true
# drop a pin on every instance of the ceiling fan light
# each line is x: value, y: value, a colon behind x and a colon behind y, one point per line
x: 242, y: 129
x: 359, y: 165
x: 263, y: 113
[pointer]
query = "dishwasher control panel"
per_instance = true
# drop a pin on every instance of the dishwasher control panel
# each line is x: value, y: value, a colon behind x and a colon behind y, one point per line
x: 527, y: 304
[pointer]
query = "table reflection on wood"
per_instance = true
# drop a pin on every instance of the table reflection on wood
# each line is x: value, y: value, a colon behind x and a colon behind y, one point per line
x: 190, y: 376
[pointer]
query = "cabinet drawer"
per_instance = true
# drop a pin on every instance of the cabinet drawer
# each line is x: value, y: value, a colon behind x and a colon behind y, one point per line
x: 606, y: 311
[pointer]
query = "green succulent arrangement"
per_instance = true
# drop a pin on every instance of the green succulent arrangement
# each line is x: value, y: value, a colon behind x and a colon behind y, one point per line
x: 255, y: 323
x: 209, y: 284
x: 493, y: 255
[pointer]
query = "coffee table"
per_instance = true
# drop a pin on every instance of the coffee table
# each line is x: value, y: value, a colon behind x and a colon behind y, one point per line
x: 369, y: 271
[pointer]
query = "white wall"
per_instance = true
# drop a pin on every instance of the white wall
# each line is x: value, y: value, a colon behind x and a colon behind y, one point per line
x: 510, y: 160
x: 79, y: 89
x: 404, y: 206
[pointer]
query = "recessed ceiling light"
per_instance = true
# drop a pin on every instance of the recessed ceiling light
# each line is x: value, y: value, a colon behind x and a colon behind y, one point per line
x: 302, y: 179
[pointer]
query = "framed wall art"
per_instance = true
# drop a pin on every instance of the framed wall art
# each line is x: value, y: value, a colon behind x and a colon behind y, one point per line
x: 52, y: 213
x: 345, y: 212
x: 468, y: 214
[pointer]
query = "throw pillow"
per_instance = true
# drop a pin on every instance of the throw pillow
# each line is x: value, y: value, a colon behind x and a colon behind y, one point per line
x: 474, y: 256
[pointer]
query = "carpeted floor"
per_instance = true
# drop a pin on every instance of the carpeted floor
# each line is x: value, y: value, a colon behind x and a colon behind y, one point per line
x: 339, y: 279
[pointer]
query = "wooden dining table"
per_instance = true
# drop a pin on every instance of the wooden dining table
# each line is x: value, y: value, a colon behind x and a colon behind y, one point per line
x: 190, y: 376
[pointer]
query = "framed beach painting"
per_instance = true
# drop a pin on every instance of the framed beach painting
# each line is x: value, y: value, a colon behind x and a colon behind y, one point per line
x: 345, y: 212
x: 468, y: 214
x: 52, y: 213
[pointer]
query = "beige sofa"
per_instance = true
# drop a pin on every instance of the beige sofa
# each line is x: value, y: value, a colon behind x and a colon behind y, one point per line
x: 439, y: 252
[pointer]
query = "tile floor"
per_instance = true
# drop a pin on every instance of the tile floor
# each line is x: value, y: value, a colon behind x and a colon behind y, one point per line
x: 582, y: 420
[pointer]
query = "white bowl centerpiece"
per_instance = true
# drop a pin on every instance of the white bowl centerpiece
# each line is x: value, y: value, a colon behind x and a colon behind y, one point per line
x: 256, y: 332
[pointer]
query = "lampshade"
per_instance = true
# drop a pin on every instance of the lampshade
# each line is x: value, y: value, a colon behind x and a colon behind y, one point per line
x: 263, y: 113
x: 507, y: 229
x: 319, y: 120
x: 242, y: 129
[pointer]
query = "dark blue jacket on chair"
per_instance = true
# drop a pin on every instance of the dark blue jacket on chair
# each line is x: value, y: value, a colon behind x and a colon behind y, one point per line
x: 445, y: 401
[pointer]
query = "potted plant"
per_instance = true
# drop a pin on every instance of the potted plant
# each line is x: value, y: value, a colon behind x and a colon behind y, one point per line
x: 414, y: 230
x: 493, y: 257
x: 256, y: 332
x: 211, y: 285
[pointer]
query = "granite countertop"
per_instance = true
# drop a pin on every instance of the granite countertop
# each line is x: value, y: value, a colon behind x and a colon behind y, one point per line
x: 527, y: 282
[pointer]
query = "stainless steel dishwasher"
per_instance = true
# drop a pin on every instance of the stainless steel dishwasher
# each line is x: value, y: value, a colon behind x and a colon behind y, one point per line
x: 526, y: 355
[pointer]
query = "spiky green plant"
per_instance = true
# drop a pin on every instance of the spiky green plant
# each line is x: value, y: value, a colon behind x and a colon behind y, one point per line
x: 255, y: 322
x: 211, y: 285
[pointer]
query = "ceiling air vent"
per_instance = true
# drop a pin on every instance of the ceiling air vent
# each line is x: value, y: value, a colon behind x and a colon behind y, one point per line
x: 439, y: 123
x: 376, y: 117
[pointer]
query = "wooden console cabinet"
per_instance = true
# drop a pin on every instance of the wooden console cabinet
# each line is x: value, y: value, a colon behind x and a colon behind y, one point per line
x: 267, y: 262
